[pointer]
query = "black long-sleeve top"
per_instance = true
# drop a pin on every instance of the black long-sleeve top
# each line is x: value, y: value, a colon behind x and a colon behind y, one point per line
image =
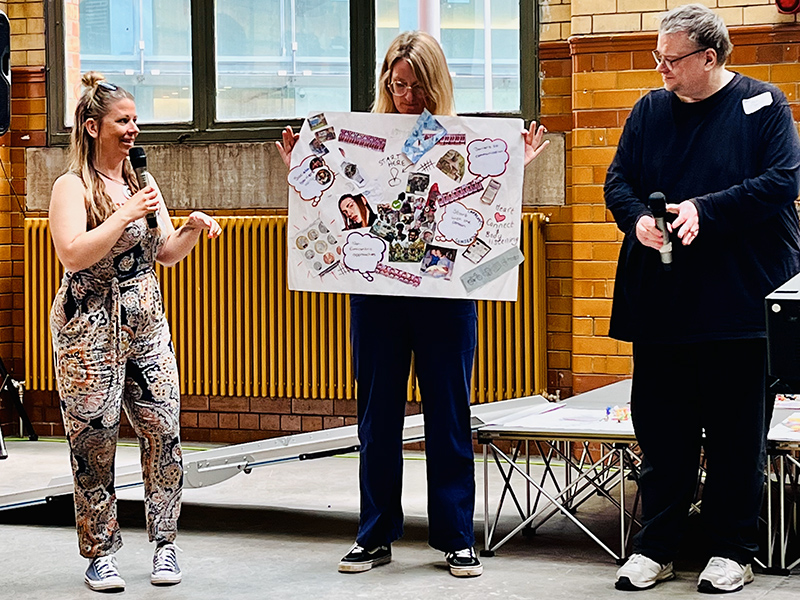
x: 736, y: 154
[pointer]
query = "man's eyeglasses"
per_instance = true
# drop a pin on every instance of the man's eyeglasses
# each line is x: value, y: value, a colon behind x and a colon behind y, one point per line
x: 400, y: 88
x: 669, y: 62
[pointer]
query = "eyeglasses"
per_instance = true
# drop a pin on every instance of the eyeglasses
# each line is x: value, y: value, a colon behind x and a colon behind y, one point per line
x: 400, y: 88
x: 669, y: 62
x: 110, y: 87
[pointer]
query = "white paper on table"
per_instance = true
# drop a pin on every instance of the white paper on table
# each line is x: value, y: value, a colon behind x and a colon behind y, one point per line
x: 571, y: 420
x: 783, y: 433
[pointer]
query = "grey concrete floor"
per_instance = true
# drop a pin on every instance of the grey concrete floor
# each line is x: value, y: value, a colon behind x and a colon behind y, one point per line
x: 280, y: 531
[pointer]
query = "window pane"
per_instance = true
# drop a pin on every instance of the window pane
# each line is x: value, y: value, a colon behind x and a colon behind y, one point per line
x: 484, y: 61
x: 144, y: 46
x: 280, y: 59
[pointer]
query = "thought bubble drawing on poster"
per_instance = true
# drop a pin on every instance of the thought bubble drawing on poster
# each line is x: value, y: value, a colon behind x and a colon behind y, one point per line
x: 310, y: 178
x: 487, y: 157
x: 459, y: 224
x: 363, y: 252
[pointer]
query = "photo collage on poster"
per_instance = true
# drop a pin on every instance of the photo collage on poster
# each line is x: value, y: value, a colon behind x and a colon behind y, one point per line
x: 406, y: 205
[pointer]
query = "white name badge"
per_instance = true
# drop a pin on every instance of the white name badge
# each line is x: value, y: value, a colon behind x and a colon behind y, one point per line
x: 756, y: 103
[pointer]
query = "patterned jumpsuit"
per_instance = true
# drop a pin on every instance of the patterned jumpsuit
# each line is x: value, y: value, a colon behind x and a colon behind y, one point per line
x: 113, y: 349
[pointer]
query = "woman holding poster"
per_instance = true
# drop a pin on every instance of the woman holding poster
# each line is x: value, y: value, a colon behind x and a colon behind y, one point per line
x: 415, y: 77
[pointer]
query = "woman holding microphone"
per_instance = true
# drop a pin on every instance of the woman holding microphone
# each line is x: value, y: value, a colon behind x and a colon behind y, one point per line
x: 111, y: 340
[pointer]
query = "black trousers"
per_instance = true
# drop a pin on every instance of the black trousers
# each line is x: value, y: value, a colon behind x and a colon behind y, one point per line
x: 679, y: 392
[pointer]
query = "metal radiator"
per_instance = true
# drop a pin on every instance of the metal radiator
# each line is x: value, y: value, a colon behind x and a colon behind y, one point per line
x: 239, y: 331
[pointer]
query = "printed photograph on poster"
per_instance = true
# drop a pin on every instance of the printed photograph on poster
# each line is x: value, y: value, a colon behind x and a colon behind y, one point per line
x: 477, y: 250
x: 320, y: 249
x: 317, y: 121
x: 438, y: 261
x: 406, y: 205
x: 356, y: 211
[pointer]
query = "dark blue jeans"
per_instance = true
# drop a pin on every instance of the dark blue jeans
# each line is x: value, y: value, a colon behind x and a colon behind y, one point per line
x: 680, y: 390
x: 441, y: 334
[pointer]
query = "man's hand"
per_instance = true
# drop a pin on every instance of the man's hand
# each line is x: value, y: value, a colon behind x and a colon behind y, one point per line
x: 687, y: 222
x: 648, y: 233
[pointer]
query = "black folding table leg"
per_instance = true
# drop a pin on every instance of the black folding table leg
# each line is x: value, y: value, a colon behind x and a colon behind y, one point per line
x: 13, y: 391
x: 3, y: 452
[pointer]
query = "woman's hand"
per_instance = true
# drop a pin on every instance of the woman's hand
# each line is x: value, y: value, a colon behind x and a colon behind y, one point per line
x: 534, y: 141
x: 200, y: 220
x: 144, y: 201
x: 285, y: 149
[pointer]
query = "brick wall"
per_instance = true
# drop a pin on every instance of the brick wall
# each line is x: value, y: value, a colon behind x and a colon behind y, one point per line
x: 5, y: 162
x: 555, y: 68
x: 554, y: 16
x: 28, y: 110
x: 562, y: 18
x: 625, y: 16
x: 221, y: 420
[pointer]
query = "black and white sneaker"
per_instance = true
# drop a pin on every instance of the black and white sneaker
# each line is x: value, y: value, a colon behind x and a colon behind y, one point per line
x: 103, y: 576
x: 359, y: 559
x: 464, y: 563
x: 165, y: 565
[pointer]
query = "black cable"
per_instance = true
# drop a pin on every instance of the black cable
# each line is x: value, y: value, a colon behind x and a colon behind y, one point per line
x: 11, y: 187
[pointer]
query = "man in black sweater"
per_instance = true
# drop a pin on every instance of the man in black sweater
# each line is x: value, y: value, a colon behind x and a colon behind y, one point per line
x: 724, y: 150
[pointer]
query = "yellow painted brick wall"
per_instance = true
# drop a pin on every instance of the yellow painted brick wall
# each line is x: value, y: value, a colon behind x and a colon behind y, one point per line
x: 27, y: 32
x: 562, y: 18
x: 555, y: 17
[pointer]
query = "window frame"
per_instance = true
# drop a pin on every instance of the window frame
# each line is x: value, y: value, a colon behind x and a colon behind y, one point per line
x: 204, y: 128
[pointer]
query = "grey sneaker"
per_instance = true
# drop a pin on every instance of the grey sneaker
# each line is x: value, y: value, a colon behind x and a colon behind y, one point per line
x: 165, y: 565
x: 103, y: 576
x: 464, y: 563
x: 642, y: 573
x: 723, y: 575
x: 358, y: 559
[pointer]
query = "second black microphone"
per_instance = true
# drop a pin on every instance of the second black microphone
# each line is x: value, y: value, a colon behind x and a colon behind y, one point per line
x: 658, y: 206
x: 139, y: 164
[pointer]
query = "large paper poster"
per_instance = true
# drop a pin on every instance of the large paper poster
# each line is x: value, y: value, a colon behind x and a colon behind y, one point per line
x: 406, y: 205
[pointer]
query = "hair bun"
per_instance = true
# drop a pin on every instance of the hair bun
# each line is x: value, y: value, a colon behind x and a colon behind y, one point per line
x: 90, y: 79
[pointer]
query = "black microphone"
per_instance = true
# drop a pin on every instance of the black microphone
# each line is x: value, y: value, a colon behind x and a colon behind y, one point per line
x: 139, y: 164
x: 658, y: 206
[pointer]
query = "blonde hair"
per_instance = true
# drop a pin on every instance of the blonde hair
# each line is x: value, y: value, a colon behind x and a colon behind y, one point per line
x: 429, y: 65
x: 95, y: 103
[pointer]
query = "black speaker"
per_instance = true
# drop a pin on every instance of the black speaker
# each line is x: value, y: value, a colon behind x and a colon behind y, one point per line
x: 5, y: 73
x: 783, y: 334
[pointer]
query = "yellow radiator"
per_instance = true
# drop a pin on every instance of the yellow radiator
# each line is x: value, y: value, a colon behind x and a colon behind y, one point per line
x: 239, y: 331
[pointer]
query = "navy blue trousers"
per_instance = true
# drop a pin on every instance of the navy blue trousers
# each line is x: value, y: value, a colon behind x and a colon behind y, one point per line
x: 441, y: 334
x: 678, y: 392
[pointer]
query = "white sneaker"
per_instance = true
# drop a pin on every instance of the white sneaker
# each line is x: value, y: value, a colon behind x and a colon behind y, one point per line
x: 165, y: 566
x: 641, y: 573
x: 103, y: 576
x: 723, y: 575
